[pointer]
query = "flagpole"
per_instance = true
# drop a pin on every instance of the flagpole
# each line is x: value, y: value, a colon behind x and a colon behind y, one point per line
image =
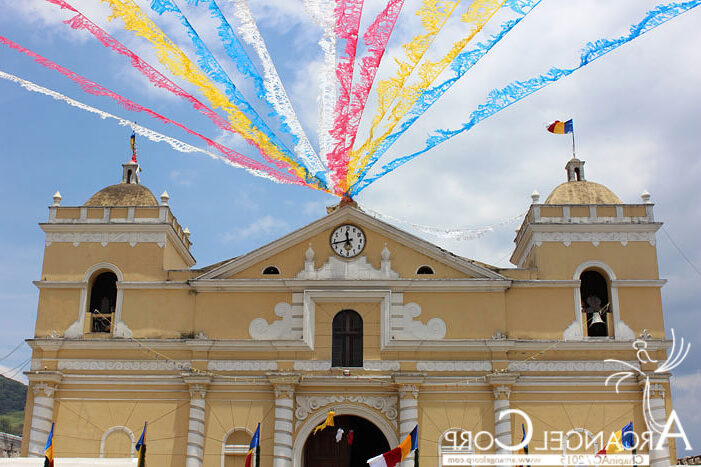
x: 416, y: 457
x: 573, y: 155
x: 258, y: 456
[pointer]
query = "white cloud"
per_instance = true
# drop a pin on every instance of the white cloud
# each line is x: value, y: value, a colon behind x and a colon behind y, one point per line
x: 260, y: 228
x: 15, y: 373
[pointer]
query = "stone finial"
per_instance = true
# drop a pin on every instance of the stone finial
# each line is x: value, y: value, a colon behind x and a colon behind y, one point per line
x: 57, y: 198
x: 645, y: 196
x: 164, y: 198
x: 385, y: 253
x: 535, y: 197
x: 309, y: 254
x: 186, y: 231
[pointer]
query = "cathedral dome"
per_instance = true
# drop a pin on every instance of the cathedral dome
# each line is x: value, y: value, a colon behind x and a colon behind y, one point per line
x: 577, y: 190
x: 123, y: 194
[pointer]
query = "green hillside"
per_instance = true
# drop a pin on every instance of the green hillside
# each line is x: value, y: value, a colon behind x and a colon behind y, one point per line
x: 12, y: 398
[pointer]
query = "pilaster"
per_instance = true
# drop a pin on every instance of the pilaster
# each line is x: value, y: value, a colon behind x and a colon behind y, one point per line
x: 284, y: 388
x: 658, y: 412
x: 501, y: 389
x: 408, y: 391
x: 197, y: 386
x: 44, y: 386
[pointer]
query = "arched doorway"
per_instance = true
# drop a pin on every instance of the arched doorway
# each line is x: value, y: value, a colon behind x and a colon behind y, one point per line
x: 322, y: 450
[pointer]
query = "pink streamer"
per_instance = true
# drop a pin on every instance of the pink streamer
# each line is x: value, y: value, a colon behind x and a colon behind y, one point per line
x: 154, y: 76
x: 375, y: 38
x: 93, y: 88
x: 347, y: 15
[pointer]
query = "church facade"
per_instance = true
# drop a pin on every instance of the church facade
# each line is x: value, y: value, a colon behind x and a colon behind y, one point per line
x: 348, y: 314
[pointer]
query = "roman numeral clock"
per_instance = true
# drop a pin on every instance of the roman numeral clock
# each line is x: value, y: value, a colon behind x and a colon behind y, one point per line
x: 347, y: 241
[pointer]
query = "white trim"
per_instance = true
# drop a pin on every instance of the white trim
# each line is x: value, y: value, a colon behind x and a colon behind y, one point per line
x: 112, y: 430
x: 638, y: 283
x: 357, y: 410
x: 397, y: 285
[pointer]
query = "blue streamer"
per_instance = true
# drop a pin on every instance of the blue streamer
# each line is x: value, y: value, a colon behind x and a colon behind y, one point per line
x: 500, y: 99
x: 461, y: 65
x: 209, y: 64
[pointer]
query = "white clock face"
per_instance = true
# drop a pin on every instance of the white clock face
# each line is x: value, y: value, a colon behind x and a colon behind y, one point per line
x: 347, y: 241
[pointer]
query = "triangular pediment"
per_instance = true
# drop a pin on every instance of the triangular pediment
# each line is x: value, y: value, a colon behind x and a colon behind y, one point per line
x: 389, y: 253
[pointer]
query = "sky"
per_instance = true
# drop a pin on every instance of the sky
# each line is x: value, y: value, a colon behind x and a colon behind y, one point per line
x: 635, y: 115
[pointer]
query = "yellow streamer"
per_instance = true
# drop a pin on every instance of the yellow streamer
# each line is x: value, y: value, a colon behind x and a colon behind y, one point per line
x: 477, y: 15
x: 327, y: 423
x: 433, y: 14
x: 180, y: 65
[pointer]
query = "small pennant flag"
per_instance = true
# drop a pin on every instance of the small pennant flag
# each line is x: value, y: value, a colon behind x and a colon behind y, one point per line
x: 132, y: 142
x: 349, y: 438
x: 255, y: 444
x: 339, y: 435
x: 49, y: 449
x: 140, y: 447
x: 561, y: 128
x: 327, y: 422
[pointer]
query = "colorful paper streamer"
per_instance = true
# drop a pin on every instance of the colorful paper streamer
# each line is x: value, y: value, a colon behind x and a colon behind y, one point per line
x: 500, y: 99
x: 180, y: 65
x: 323, y: 14
x: 434, y: 14
x: 477, y: 15
x: 211, y: 67
x: 93, y: 88
x: 154, y: 136
x: 348, y: 14
x: 461, y: 65
x: 268, y: 87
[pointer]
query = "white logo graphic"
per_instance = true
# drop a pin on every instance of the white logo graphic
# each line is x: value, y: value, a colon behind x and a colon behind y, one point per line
x: 676, y: 357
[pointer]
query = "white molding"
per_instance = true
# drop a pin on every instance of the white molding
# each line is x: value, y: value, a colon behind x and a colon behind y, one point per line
x: 357, y: 269
x: 396, y: 285
x: 312, y: 365
x: 404, y: 325
x: 570, y: 365
x: 122, y: 365
x: 356, y: 216
x: 381, y: 365
x: 517, y: 283
x: 292, y: 324
x: 112, y: 430
x: 453, y: 365
x: 304, y: 429
x: 242, y: 365
x: 638, y: 283
x: 386, y: 405
x: 593, y: 264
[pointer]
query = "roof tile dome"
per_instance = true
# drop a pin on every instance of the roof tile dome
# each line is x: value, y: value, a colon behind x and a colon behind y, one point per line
x: 123, y: 194
x: 577, y: 190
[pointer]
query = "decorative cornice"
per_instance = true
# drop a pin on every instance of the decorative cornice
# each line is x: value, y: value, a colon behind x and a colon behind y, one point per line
x: 357, y: 269
x: 570, y: 365
x: 408, y: 391
x: 47, y: 389
x: 386, y: 405
x: 501, y: 392
x: 312, y: 365
x: 396, y: 285
x: 284, y: 391
x: 453, y: 365
x: 123, y: 365
x: 242, y: 365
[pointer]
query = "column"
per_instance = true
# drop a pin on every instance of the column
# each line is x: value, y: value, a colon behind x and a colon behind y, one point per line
x: 195, y: 431
x: 408, y: 390
x: 501, y: 388
x: 42, y: 417
x: 658, y: 457
x: 284, y: 413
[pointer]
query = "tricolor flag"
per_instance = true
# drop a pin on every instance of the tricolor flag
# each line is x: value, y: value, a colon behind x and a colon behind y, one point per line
x: 398, y: 454
x: 561, y: 128
x: 254, y: 447
x: 140, y: 447
x: 49, y: 449
x: 620, y: 440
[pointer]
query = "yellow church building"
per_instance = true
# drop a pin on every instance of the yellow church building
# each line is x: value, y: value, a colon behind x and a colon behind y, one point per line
x: 347, y: 314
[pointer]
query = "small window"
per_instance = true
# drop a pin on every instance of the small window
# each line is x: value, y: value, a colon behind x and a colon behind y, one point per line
x: 424, y: 270
x: 103, y: 301
x: 271, y: 270
x: 347, y: 339
x: 236, y: 448
x: 595, y: 303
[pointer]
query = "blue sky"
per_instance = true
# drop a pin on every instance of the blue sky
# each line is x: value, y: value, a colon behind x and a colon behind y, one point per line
x: 635, y: 113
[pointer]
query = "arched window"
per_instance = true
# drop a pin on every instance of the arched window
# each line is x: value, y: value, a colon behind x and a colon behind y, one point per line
x: 347, y: 339
x: 129, y: 176
x: 577, y: 174
x: 271, y: 270
x: 454, y: 441
x: 424, y: 270
x: 594, y: 294
x: 236, y: 448
x: 103, y: 301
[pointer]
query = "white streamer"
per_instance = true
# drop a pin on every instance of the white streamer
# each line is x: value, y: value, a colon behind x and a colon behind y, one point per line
x: 143, y: 131
x: 322, y: 12
x: 454, y: 234
x: 274, y: 90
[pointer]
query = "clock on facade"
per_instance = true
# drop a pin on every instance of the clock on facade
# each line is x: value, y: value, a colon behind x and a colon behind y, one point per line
x: 347, y: 240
